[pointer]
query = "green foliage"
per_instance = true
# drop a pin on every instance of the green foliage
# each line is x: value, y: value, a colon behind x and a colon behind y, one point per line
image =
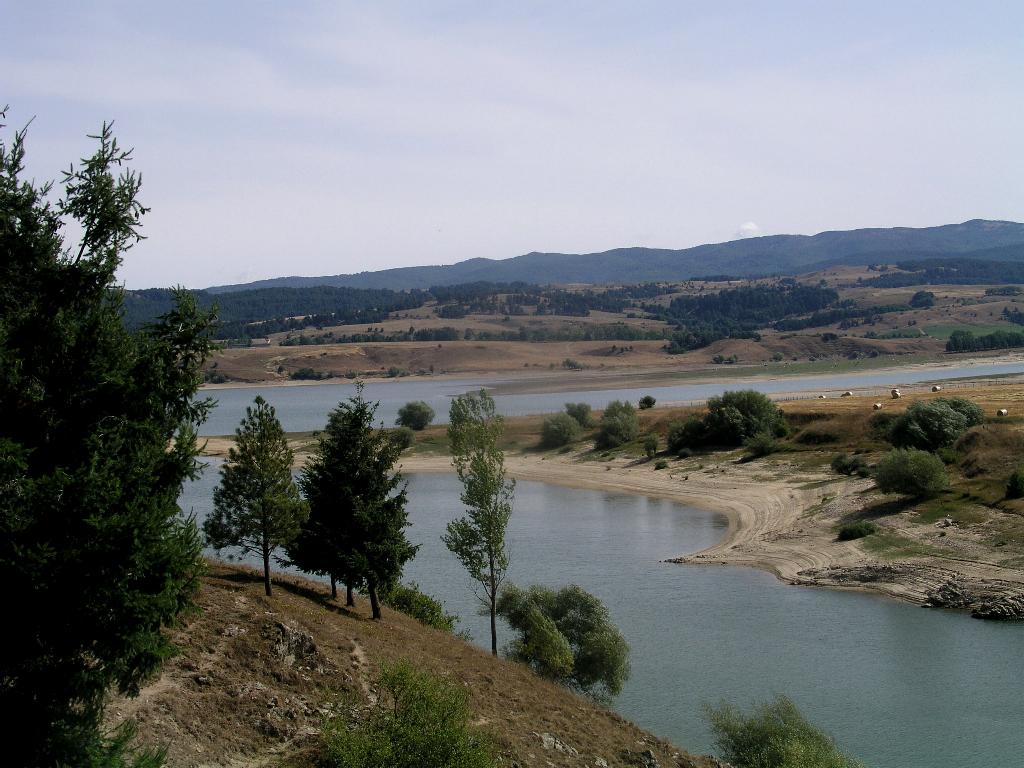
x: 357, y: 520
x: 647, y: 401
x: 418, y: 721
x: 256, y: 507
x: 737, y: 416
x: 965, y: 341
x: 761, y: 444
x: 933, y: 424
x: 619, y: 424
x: 844, y: 464
x: 685, y: 435
x: 478, y: 538
x: 98, y: 435
x: 857, y: 530
x: 403, y: 437
x: 650, y: 446
x: 773, y: 735
x: 912, y: 472
x: 549, y: 621
x: 558, y: 430
x: 415, y: 415
x: 922, y: 300
x: 309, y: 374
x: 581, y: 413
x: 1015, y: 485
x: 410, y: 600
x: 660, y: 464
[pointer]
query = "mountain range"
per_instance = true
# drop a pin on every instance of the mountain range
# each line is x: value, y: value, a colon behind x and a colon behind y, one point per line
x: 769, y: 255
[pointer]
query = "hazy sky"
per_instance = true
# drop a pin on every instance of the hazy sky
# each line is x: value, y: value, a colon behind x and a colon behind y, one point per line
x: 321, y: 138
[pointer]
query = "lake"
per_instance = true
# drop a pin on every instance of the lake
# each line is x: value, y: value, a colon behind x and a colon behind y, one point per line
x: 305, y: 408
x: 899, y: 686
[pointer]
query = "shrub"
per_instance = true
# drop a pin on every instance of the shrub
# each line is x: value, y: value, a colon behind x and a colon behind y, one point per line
x: 558, y: 430
x: 618, y: 425
x: 816, y: 437
x: 650, y: 446
x: 548, y: 621
x: 845, y: 464
x: 932, y: 424
x: 402, y: 437
x: 739, y: 415
x: 661, y: 464
x: 685, y: 435
x: 774, y: 735
x: 415, y: 415
x: 309, y: 374
x: 572, y: 365
x: 1015, y: 485
x: 761, y: 444
x: 912, y: 472
x: 880, y: 424
x: 581, y: 413
x: 418, y: 719
x: 408, y: 599
x: 857, y: 530
x: 647, y: 402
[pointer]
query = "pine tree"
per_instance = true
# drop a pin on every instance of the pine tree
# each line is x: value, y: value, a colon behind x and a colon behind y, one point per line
x: 478, y: 538
x: 356, y: 527
x: 257, y: 507
x: 97, y: 438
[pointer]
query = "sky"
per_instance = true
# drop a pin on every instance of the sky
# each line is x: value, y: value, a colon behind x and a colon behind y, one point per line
x: 316, y: 138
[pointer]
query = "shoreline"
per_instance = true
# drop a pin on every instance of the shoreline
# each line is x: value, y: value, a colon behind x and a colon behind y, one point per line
x: 770, y: 527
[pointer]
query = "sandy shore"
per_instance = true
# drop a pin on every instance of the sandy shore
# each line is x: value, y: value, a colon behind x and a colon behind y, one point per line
x: 780, y: 519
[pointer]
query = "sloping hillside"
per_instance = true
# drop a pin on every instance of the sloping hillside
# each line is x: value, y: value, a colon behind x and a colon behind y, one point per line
x: 258, y: 675
x: 775, y: 254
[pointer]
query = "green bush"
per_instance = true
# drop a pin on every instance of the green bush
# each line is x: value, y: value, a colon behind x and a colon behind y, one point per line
x: 408, y: 599
x: 737, y: 416
x: 650, y: 446
x: 857, y: 530
x: 415, y: 415
x: 932, y: 424
x: 548, y: 621
x: 309, y: 374
x: 845, y: 464
x: 661, y: 464
x: 761, y: 444
x: 685, y: 435
x: 773, y: 735
x: 581, y: 413
x: 618, y: 425
x: 1015, y: 485
x: 912, y: 472
x: 558, y: 430
x: 647, y: 402
x: 402, y: 437
x: 880, y: 424
x: 419, y: 719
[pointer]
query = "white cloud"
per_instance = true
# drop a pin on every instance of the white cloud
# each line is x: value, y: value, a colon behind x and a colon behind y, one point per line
x: 748, y: 229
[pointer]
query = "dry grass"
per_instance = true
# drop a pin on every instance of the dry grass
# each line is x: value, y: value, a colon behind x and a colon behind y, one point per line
x: 235, y: 696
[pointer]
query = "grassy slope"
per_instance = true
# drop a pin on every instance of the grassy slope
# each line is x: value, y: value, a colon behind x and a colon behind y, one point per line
x: 237, y: 695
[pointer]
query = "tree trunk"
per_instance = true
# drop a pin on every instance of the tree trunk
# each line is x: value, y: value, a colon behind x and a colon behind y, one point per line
x: 266, y: 570
x: 494, y: 629
x: 371, y: 587
x: 350, y: 600
x: 334, y: 588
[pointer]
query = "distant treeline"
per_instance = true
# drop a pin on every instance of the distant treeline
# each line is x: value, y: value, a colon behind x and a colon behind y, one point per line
x: 596, y: 332
x: 951, y: 272
x: 965, y: 341
x: 738, y: 312
x: 270, y: 310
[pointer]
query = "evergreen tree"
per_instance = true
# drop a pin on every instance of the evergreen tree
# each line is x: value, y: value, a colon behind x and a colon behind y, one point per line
x: 257, y: 507
x: 97, y: 438
x: 478, y: 538
x: 356, y: 528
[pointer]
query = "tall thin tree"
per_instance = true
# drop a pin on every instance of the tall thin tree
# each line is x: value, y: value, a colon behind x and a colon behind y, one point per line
x: 478, y: 538
x: 257, y: 507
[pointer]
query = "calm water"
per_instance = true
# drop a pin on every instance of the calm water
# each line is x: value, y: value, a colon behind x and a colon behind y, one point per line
x: 305, y: 408
x: 899, y: 686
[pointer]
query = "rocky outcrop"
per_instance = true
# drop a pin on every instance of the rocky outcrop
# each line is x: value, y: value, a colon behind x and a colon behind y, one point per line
x: 953, y: 593
x: 1002, y: 608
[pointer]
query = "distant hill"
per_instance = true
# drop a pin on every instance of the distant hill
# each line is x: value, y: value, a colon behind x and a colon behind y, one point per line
x: 771, y: 255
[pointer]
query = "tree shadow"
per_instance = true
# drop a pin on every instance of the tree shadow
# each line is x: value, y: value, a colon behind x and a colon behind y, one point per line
x: 880, y: 509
